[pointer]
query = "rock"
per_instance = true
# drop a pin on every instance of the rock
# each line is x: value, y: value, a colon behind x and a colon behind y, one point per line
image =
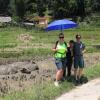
x: 24, y: 70
x: 32, y: 76
x: 23, y: 77
x: 33, y: 66
x: 4, y: 88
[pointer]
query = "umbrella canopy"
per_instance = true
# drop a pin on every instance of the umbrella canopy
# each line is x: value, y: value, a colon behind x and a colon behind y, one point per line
x: 61, y: 25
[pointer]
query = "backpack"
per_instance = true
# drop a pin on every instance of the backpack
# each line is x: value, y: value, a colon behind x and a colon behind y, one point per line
x: 57, y: 44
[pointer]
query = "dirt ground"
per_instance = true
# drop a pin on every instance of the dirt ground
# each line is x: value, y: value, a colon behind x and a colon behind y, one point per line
x: 22, y: 74
x: 89, y: 91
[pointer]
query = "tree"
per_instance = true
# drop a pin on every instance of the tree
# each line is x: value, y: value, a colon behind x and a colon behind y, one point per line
x: 4, y: 7
x: 96, y: 5
x: 81, y: 8
x: 21, y: 8
x: 60, y: 8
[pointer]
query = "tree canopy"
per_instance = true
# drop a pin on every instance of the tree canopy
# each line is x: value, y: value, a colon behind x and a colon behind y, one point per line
x: 56, y: 8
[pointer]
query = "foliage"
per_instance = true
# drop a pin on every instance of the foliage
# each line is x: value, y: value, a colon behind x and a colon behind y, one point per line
x: 4, y: 6
x: 56, y: 8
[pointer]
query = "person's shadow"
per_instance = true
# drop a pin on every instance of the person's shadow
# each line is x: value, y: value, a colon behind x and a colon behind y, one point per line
x: 82, y: 80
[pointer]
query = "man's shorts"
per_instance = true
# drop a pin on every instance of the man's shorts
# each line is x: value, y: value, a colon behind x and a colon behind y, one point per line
x: 60, y: 63
x: 78, y: 62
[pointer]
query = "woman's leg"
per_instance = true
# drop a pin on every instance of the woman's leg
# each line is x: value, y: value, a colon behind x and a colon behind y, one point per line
x: 59, y: 75
x: 68, y: 71
x: 69, y: 67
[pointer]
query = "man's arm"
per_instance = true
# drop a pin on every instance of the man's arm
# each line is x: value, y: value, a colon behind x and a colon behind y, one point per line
x: 83, y: 49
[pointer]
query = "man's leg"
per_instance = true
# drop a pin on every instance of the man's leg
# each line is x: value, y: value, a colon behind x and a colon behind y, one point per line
x: 80, y: 72
x: 81, y: 67
x: 76, y: 68
x: 76, y: 73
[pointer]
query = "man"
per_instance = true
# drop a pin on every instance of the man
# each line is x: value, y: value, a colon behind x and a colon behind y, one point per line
x: 78, y: 51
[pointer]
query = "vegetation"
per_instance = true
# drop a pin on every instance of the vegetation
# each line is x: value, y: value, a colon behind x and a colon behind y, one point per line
x: 20, y: 42
x: 47, y: 91
x: 56, y: 8
x: 17, y: 42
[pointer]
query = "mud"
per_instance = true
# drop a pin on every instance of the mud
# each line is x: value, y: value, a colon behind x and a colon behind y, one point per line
x: 18, y: 75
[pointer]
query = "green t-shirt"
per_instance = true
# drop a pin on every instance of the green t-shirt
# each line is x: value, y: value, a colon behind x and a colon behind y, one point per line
x: 61, y: 53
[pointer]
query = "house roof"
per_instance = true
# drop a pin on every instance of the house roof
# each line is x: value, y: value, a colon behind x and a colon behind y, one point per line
x: 5, y: 19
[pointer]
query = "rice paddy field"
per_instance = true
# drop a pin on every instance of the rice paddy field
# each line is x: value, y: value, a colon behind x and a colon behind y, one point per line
x: 21, y: 42
x: 23, y: 46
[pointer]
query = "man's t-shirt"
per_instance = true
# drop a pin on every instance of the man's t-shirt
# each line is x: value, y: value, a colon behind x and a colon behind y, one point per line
x: 78, y: 48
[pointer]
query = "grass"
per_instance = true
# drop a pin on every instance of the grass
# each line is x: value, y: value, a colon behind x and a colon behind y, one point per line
x: 26, y: 53
x: 93, y: 72
x: 47, y: 91
x: 41, y: 41
x: 40, y: 45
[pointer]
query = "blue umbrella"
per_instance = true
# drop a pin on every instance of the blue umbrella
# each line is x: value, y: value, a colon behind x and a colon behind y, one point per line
x: 61, y: 25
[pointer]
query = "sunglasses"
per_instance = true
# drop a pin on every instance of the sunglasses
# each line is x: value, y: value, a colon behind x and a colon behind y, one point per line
x: 78, y: 38
x: 61, y: 37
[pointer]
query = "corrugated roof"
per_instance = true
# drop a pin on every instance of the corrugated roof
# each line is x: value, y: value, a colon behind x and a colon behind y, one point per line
x: 5, y: 19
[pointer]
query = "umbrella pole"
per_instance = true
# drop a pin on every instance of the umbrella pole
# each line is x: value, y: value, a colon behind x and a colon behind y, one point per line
x: 61, y: 29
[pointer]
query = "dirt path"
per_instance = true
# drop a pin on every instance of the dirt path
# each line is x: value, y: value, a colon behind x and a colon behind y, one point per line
x: 89, y: 91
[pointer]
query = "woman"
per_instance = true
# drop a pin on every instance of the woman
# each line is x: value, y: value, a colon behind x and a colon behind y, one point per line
x: 70, y: 57
x: 60, y: 50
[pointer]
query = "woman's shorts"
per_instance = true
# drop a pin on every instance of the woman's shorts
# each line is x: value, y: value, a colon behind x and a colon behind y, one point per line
x: 60, y: 63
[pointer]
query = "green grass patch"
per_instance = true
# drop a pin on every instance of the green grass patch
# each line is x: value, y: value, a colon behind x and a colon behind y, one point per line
x: 92, y: 49
x: 10, y: 45
x: 10, y: 54
x: 32, y: 52
x: 9, y: 38
x: 93, y: 72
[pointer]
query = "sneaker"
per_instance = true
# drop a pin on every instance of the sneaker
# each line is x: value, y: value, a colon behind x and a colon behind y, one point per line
x: 77, y: 82
x: 83, y: 80
x: 56, y: 84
